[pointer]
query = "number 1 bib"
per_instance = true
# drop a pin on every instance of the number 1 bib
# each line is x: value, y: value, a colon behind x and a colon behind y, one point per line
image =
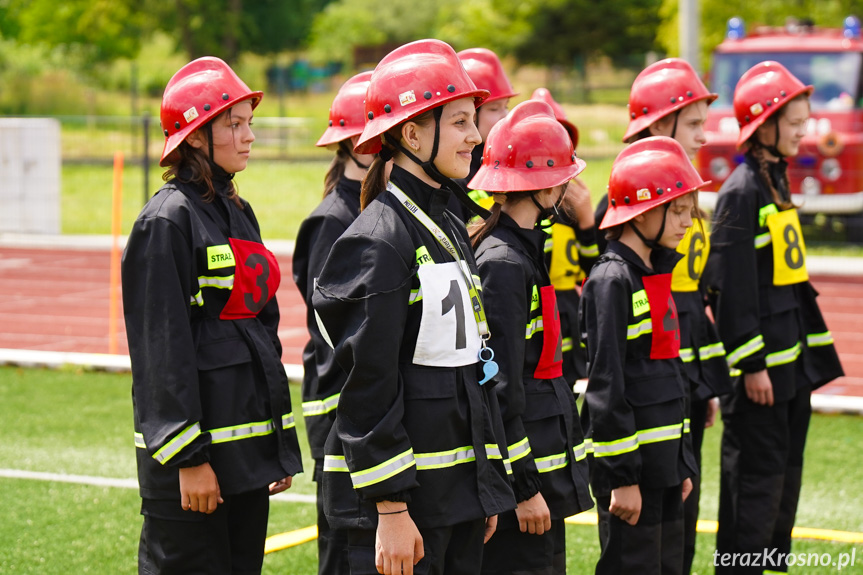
x: 256, y: 279
x: 448, y: 334
x: 789, y: 251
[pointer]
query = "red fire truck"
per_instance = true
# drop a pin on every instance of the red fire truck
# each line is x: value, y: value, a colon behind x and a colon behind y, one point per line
x: 827, y: 175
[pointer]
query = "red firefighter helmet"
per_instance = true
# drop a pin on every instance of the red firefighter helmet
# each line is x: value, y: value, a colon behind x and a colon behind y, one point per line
x: 484, y: 68
x: 527, y: 150
x: 660, y: 89
x: 410, y: 80
x: 347, y: 114
x: 197, y: 93
x: 544, y: 95
x: 648, y: 173
x: 762, y: 90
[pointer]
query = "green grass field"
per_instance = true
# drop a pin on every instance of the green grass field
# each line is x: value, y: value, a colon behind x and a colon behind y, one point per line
x: 76, y: 422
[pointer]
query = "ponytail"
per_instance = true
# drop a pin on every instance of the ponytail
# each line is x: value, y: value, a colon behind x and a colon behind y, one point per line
x: 757, y: 152
x: 335, y: 171
x: 481, y: 229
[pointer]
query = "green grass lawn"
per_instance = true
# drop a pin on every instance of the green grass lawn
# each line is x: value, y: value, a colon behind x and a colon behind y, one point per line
x: 76, y: 422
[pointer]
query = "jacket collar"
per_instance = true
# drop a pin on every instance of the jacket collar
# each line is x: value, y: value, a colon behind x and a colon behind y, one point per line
x: 663, y: 259
x: 532, y: 241
x: 433, y: 201
x: 349, y: 191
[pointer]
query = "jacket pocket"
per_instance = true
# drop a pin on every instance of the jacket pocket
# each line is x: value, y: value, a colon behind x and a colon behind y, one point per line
x: 429, y: 382
x: 651, y: 391
x: 223, y: 353
x: 540, y: 402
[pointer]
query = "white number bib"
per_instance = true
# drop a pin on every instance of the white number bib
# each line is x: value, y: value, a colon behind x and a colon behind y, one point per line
x: 448, y: 335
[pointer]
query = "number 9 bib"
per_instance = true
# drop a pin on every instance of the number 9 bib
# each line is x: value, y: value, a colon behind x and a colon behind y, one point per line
x: 789, y: 251
x: 448, y: 334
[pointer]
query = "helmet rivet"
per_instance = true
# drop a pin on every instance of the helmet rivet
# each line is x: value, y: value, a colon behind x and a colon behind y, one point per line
x: 613, y: 203
x: 644, y: 110
x: 331, y: 122
x: 371, y: 115
x: 673, y: 99
x: 177, y: 125
x: 388, y: 109
x: 776, y: 100
x: 679, y: 184
x: 206, y: 107
x: 658, y: 191
x: 341, y: 123
x: 427, y: 95
x: 450, y: 88
x: 782, y: 93
x: 769, y: 103
x: 166, y: 133
x: 529, y: 164
x: 550, y: 163
x: 573, y: 158
x: 746, y: 119
x: 689, y: 93
x: 632, y: 114
x: 625, y: 199
x: 224, y: 96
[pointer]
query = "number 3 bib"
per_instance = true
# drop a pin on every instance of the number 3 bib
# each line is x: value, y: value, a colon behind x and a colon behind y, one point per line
x: 448, y: 334
x: 256, y: 279
x: 789, y: 251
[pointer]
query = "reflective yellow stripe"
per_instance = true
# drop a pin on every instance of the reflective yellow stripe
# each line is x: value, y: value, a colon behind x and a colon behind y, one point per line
x: 320, y: 406
x: 175, y: 445
x: 244, y: 431
x: 639, y: 329
x: 641, y: 437
x: 687, y: 354
x: 753, y: 345
x: 335, y: 463
x: 819, y: 339
x: 686, y: 425
x: 640, y: 304
x: 197, y: 299
x: 534, y: 299
x: 139, y: 441
x: 589, y: 251
x: 566, y: 344
x: 551, y: 462
x: 288, y: 421
x: 219, y: 282
x: 416, y: 295
x: 579, y: 452
x: 534, y: 326
x: 710, y: 351
x: 767, y: 210
x: 423, y: 257
x: 762, y: 240
x: 383, y: 471
x: 444, y: 459
x: 518, y: 450
x: 782, y: 357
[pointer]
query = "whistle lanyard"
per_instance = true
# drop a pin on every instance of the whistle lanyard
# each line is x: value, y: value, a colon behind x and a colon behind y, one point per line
x: 452, y: 248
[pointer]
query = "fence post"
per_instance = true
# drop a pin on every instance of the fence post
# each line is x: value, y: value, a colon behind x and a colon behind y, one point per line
x: 145, y: 157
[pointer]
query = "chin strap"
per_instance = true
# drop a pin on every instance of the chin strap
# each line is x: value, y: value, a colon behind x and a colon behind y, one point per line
x: 654, y: 243
x: 548, y: 216
x: 432, y: 171
x: 347, y: 149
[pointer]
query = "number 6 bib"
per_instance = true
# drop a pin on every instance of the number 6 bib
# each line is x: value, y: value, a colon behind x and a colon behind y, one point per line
x: 448, y: 334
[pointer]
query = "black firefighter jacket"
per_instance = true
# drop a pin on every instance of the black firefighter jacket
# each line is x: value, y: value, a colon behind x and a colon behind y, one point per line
x: 205, y: 389
x: 636, y: 406
x: 543, y: 433
x: 763, y: 325
x: 323, y: 378
x: 403, y: 431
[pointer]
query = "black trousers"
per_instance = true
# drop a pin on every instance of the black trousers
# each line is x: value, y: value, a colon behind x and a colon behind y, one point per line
x: 511, y: 552
x: 653, y: 546
x: 332, y: 543
x: 762, y: 467
x: 228, y: 541
x: 453, y: 550
x: 697, y: 417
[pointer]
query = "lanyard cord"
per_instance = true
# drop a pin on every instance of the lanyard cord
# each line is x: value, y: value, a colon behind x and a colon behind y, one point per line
x: 451, y: 248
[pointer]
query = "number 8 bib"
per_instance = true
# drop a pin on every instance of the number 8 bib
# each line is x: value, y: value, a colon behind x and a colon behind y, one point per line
x: 789, y: 251
x: 448, y: 334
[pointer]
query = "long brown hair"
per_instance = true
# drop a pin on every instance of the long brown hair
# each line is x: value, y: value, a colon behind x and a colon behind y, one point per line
x: 481, y: 229
x: 375, y: 180
x: 194, y: 161
x: 757, y: 151
x: 335, y: 171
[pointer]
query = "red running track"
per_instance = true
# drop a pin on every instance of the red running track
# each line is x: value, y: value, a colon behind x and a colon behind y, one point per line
x: 59, y: 299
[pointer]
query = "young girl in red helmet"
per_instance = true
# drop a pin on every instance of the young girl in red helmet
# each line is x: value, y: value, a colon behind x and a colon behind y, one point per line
x: 213, y: 421
x: 527, y: 165
x: 637, y: 388
x: 669, y: 99
x: 768, y: 318
x: 412, y: 466
x: 322, y: 377
x: 571, y: 250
